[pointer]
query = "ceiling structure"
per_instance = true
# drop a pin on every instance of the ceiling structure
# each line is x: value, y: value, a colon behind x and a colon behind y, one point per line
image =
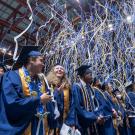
x: 73, y: 32
x: 14, y: 18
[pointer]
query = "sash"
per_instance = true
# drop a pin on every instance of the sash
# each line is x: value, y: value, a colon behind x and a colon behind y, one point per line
x: 86, y: 98
x: 27, y: 93
x: 25, y: 87
x: 66, y: 102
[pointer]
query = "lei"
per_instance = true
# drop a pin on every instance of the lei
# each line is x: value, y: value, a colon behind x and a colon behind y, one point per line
x: 35, y: 88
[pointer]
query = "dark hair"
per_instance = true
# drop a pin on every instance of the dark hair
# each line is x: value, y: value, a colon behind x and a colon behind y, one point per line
x: 26, y: 61
x: 95, y: 80
x: 130, y: 87
x: 103, y: 85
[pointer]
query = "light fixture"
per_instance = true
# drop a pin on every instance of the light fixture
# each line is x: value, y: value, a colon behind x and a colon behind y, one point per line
x: 78, y: 1
x: 130, y: 19
x: 72, y: 42
x: 4, y: 50
x: 110, y: 27
x: 83, y: 37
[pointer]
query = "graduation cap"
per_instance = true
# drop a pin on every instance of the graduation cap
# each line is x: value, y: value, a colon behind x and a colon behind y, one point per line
x: 27, y: 52
x: 82, y: 69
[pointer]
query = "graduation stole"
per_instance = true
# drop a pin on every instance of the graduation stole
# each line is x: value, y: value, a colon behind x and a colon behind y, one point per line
x: 88, y: 104
x: 100, y: 92
x: 29, y: 92
x: 27, y: 86
x: 86, y: 98
x: 66, y: 100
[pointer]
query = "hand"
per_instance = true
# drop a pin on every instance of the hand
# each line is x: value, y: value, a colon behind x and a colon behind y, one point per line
x: 73, y: 128
x: 45, y: 98
x: 100, y: 120
x: 61, y: 87
x: 114, y: 113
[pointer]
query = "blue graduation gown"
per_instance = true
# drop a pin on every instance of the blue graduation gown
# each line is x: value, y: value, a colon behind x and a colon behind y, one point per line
x: 132, y: 98
x: 78, y: 115
x: 106, y: 110
x: 16, y: 110
x: 56, y: 123
x: 131, y: 106
x: 109, y: 98
x: 113, y: 105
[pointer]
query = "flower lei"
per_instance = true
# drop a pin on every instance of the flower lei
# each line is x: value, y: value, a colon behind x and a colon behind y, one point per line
x: 38, y: 91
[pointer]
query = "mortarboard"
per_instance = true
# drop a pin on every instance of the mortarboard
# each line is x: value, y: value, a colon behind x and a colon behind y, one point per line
x: 26, y: 52
x: 82, y: 69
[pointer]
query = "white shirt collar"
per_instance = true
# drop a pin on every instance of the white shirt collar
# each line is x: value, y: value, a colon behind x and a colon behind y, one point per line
x: 83, y: 83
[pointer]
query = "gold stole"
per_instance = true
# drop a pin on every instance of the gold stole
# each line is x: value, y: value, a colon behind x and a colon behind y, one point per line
x: 66, y: 102
x: 85, y: 96
x: 66, y: 109
x: 26, y: 92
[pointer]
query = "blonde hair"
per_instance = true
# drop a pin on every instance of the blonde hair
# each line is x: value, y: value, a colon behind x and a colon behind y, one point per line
x: 55, y: 81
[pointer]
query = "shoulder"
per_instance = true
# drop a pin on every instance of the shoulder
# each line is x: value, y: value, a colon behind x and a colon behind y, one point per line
x: 96, y: 90
x: 106, y: 94
x: 99, y: 93
x: 76, y: 85
x: 131, y: 94
x: 76, y: 88
x: 12, y: 72
x: 13, y: 76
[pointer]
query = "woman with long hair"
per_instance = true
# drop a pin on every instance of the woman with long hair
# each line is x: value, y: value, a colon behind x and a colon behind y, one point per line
x: 60, y: 89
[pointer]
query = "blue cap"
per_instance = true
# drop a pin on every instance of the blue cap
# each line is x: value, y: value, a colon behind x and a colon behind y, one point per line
x: 26, y: 52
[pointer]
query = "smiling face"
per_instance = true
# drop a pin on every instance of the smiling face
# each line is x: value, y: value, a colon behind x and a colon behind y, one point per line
x: 59, y: 71
x: 37, y: 64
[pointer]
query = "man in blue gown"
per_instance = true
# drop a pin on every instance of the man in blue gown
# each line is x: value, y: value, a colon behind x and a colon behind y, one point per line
x: 83, y: 114
x: 131, y: 101
x: 105, y: 108
x: 22, y: 94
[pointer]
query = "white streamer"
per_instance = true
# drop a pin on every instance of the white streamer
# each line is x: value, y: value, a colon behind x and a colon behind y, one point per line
x: 15, y: 57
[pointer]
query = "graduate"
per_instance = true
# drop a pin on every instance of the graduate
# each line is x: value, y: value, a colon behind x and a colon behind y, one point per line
x: 124, y: 127
x: 23, y: 96
x: 117, y: 100
x: 131, y: 93
x: 83, y: 114
x: 60, y: 88
x: 131, y: 100
x: 108, y: 92
x: 106, y: 109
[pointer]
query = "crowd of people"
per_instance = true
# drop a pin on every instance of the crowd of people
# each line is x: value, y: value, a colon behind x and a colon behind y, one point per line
x: 32, y: 103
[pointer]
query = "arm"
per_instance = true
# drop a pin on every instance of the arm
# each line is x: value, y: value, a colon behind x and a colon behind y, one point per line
x: 16, y: 104
x: 86, y: 116
x: 104, y: 106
